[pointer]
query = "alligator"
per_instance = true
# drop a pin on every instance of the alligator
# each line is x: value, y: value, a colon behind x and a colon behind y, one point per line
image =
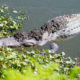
x: 58, y: 28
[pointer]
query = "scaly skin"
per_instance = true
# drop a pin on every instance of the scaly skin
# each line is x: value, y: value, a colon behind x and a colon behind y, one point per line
x: 58, y: 28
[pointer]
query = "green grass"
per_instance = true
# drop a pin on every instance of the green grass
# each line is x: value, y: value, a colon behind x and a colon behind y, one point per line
x: 31, y: 65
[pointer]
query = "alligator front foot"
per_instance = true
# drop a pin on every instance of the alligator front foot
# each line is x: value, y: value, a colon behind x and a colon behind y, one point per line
x: 53, y: 48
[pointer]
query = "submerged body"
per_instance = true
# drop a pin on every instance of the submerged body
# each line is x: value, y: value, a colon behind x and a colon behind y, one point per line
x: 58, y: 28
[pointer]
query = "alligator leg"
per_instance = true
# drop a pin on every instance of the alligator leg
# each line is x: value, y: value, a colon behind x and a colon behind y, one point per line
x: 53, y: 48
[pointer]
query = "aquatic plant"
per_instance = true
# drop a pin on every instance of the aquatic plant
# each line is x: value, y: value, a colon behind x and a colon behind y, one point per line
x: 11, y: 21
x: 44, y: 67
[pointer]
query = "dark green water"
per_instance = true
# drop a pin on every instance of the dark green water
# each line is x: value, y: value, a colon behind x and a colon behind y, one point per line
x: 40, y: 11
